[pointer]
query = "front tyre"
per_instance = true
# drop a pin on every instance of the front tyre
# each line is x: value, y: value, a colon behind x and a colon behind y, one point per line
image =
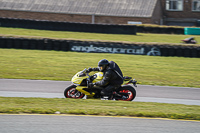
x: 71, y: 92
x: 127, y: 93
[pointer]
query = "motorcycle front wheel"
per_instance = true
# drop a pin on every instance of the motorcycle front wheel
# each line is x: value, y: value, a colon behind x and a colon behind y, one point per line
x: 71, y: 92
x: 127, y: 93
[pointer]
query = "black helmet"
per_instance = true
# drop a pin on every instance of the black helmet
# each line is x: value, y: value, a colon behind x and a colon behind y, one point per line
x: 103, y: 64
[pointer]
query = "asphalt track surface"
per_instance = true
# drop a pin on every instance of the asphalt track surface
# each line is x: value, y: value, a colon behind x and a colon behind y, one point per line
x: 55, y: 89
x: 92, y: 124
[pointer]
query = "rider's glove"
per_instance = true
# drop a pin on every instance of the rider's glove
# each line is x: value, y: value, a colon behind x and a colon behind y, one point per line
x: 89, y: 70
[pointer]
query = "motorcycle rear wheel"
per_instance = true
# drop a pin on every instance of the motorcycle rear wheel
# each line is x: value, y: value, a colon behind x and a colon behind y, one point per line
x: 129, y: 91
x: 71, y: 92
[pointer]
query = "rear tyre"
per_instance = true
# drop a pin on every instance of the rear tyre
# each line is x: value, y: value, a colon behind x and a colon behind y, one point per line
x: 71, y: 92
x: 127, y: 93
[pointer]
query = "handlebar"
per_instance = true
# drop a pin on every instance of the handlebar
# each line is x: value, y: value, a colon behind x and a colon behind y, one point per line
x: 85, y: 71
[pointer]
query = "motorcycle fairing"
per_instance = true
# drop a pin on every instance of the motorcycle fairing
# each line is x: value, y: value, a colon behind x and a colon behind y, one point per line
x: 98, y: 77
x: 77, y: 79
x: 81, y: 89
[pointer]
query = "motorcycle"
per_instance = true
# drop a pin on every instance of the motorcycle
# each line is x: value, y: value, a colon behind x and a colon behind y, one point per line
x: 80, y: 88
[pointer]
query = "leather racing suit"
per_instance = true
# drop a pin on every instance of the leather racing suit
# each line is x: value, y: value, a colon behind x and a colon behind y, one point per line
x: 113, y: 78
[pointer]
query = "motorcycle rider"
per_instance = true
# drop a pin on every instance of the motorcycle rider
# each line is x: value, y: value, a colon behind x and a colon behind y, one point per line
x: 113, y: 77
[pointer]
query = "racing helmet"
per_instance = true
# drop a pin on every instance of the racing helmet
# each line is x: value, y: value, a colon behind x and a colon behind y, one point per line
x: 103, y: 64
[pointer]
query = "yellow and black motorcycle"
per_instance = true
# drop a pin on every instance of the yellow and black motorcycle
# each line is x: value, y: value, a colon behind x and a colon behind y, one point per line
x: 80, y: 88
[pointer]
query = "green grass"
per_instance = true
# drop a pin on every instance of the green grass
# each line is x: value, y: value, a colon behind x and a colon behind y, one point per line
x: 98, y: 107
x: 58, y: 65
x: 140, y: 37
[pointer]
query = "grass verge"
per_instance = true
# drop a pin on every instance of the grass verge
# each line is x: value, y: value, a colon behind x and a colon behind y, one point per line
x: 59, y: 65
x: 140, y: 37
x: 98, y: 107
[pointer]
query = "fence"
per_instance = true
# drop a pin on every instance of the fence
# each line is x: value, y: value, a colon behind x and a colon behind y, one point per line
x: 86, y: 27
x: 67, y: 26
x: 100, y: 47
